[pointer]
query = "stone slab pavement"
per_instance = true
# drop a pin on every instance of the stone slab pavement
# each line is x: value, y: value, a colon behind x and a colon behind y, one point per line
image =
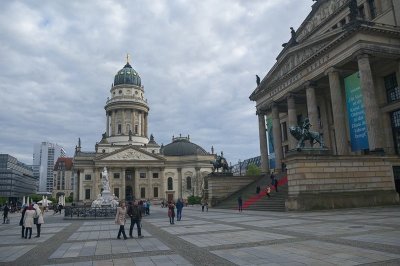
x: 363, y: 236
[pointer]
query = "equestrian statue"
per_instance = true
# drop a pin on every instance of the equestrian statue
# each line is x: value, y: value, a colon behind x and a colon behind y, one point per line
x: 303, y: 133
x: 220, y: 162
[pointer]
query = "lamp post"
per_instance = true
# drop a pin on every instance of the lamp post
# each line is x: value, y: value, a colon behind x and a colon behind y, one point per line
x: 240, y: 167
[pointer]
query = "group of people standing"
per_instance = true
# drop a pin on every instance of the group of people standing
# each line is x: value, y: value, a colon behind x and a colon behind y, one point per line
x: 31, y: 215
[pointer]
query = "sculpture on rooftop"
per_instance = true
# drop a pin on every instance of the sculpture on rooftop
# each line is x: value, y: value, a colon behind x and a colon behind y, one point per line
x: 303, y: 133
x: 258, y: 80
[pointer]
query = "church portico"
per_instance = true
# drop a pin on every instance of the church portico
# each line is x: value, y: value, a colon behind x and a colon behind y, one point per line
x: 343, y: 76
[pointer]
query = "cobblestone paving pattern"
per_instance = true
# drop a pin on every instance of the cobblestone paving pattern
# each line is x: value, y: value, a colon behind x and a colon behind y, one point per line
x: 369, y: 236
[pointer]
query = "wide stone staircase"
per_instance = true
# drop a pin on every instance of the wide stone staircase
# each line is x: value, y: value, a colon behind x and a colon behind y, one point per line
x: 259, y: 202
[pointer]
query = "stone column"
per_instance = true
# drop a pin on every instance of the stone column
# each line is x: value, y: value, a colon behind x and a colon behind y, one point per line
x: 179, y: 183
x: 108, y: 124
x: 312, y: 109
x: 132, y: 121
x: 145, y: 125
x: 263, y: 142
x: 122, y: 194
x: 277, y: 133
x: 149, y: 181
x: 195, y: 184
x: 113, y: 122
x: 372, y: 112
x: 123, y: 125
x: 338, y: 112
x: 292, y: 120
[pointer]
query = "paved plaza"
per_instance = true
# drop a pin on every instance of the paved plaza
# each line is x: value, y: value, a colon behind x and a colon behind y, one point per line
x: 365, y: 236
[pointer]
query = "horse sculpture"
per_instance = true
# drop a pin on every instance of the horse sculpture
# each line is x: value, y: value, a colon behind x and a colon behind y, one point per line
x: 301, y: 135
x: 220, y: 162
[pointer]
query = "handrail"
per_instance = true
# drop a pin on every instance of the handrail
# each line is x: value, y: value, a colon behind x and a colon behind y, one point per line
x: 89, y: 212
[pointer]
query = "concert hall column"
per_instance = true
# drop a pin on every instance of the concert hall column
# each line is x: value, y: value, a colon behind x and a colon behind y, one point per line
x: 312, y: 109
x: 375, y: 140
x: 277, y: 133
x: 263, y: 142
x: 339, y: 119
x: 292, y: 120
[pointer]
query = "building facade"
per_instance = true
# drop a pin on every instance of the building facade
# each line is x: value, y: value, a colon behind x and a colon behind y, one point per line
x: 138, y: 167
x: 16, y: 179
x: 45, y: 155
x: 63, y: 183
x: 341, y: 69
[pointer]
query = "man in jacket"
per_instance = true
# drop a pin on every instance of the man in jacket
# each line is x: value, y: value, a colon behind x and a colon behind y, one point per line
x: 136, y: 216
x: 5, y: 213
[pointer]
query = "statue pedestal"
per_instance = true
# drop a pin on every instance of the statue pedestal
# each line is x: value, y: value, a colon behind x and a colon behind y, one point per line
x: 309, y: 151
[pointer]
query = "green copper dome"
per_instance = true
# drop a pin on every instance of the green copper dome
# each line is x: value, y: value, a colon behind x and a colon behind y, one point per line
x: 127, y: 75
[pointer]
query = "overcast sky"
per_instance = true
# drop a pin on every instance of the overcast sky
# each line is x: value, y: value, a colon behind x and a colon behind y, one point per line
x: 197, y: 61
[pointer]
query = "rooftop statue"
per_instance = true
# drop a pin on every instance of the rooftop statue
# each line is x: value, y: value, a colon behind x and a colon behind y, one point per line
x: 303, y: 133
x: 258, y: 80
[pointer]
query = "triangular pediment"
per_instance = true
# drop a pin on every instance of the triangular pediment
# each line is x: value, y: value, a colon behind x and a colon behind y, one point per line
x: 322, y: 12
x: 299, y: 54
x: 130, y: 154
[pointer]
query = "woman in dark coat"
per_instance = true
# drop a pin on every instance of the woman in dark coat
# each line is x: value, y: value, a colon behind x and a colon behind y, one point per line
x: 21, y: 222
x: 171, y: 212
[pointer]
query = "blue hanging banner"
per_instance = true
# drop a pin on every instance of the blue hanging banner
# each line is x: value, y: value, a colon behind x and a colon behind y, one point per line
x: 356, y: 113
x: 271, y: 151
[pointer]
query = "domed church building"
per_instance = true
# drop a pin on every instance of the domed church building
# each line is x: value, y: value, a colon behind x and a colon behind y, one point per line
x: 138, y: 167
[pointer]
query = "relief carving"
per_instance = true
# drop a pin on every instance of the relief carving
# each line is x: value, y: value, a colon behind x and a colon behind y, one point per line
x: 323, y: 12
x: 130, y: 155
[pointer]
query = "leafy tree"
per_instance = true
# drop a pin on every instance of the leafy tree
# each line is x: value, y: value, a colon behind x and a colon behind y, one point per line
x: 252, y: 169
x: 194, y: 200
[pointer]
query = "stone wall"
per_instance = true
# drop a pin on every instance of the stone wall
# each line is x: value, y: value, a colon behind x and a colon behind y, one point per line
x: 327, y: 181
x: 221, y: 187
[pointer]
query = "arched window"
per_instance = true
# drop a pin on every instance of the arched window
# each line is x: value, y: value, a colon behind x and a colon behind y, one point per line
x: 188, y: 183
x: 170, y: 186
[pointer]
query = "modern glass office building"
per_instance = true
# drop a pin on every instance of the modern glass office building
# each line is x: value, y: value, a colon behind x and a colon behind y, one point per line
x: 16, y: 178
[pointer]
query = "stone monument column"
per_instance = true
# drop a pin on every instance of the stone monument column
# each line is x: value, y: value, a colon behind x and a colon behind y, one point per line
x: 277, y: 133
x: 338, y: 111
x: 292, y: 120
x: 372, y: 112
x: 263, y: 142
x: 312, y: 109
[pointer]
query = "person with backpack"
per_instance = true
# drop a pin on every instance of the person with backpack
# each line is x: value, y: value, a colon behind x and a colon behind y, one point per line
x: 136, y: 217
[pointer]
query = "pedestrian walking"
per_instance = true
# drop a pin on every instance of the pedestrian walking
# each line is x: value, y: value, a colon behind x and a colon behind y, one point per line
x: 179, y: 207
x: 38, y: 220
x: 21, y: 221
x: 267, y: 191
x: 148, y: 207
x: 171, y: 212
x: 28, y: 221
x: 240, y: 203
x: 203, y: 204
x: 258, y: 190
x: 136, y: 218
x: 274, y: 181
x: 120, y: 219
x: 6, y: 209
